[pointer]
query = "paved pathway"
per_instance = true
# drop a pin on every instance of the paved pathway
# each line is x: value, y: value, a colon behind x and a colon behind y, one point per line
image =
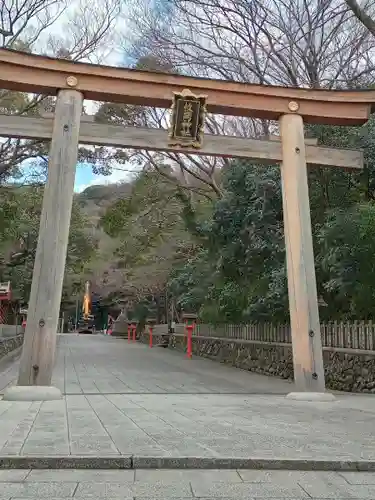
x: 128, y: 400
x: 105, y: 365
x: 101, y: 364
x: 169, y: 484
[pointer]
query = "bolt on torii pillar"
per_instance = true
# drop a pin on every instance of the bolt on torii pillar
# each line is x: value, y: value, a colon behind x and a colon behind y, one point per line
x: 38, y: 354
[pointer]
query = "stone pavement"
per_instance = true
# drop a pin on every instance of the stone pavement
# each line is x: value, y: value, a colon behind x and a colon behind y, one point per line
x: 98, y: 364
x: 172, y: 484
x: 132, y: 406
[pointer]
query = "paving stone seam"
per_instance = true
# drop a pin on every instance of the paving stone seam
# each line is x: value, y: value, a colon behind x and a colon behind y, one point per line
x: 303, y: 489
x: 102, y: 423
x: 30, y: 429
x: 134, y: 420
x: 139, y: 462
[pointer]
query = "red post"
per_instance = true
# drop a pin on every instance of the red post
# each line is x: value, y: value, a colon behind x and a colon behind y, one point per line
x: 190, y: 341
x: 134, y: 332
x: 150, y: 335
x: 129, y: 329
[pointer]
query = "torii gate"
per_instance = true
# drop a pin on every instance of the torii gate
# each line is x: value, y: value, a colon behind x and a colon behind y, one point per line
x: 72, y: 82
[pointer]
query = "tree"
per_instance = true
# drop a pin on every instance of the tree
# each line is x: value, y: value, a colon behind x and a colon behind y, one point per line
x: 347, y: 244
x: 149, y: 230
x: 225, y: 259
x: 190, y: 283
x: 151, y: 234
x: 85, y: 29
x: 361, y: 14
x: 332, y: 188
x: 241, y: 274
x: 195, y: 174
x: 19, y: 235
x: 308, y: 44
x: 240, y: 271
x: 317, y: 45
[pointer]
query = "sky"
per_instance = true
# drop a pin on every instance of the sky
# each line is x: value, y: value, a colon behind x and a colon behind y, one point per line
x: 85, y: 177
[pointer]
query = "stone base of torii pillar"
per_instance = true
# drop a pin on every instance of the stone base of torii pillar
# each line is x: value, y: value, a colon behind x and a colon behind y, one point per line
x: 311, y: 396
x: 32, y: 393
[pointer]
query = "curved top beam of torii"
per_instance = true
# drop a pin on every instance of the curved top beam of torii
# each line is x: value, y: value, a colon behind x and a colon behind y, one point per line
x: 34, y: 73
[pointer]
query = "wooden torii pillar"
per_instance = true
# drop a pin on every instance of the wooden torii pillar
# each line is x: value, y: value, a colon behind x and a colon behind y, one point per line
x: 72, y: 82
x: 302, y: 291
x: 38, y: 353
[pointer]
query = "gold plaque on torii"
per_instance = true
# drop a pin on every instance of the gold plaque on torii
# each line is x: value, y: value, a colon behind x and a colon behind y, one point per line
x: 187, y: 121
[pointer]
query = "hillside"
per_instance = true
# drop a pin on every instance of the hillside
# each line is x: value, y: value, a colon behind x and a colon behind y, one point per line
x: 140, y: 235
x: 94, y: 200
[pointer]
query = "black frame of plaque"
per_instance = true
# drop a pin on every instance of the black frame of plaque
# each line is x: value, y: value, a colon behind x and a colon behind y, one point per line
x: 176, y: 136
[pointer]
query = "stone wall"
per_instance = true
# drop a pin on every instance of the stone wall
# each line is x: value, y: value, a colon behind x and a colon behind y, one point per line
x: 345, y: 369
x: 9, y: 344
x: 10, y: 330
x: 349, y: 370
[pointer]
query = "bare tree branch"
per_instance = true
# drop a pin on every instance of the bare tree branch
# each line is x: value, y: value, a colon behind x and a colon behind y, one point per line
x: 77, y: 30
x: 301, y: 43
x: 361, y: 15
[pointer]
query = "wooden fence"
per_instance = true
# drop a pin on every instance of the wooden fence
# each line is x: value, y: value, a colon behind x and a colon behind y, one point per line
x: 350, y: 335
